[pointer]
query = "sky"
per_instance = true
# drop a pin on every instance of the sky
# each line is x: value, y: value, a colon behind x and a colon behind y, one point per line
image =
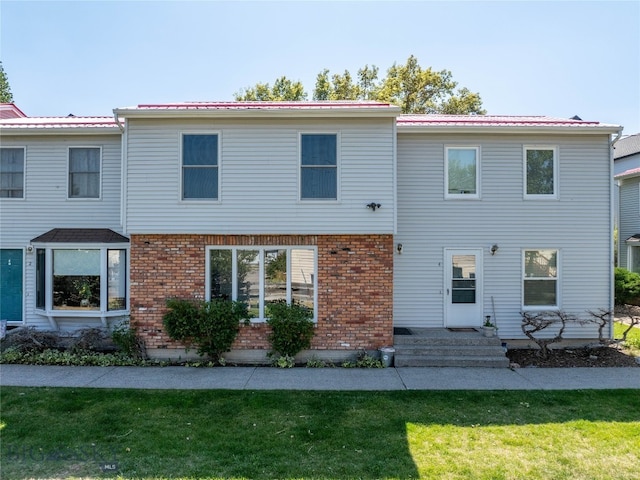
x: 524, y: 58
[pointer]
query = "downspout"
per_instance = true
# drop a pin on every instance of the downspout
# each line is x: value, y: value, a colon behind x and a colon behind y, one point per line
x: 611, y: 229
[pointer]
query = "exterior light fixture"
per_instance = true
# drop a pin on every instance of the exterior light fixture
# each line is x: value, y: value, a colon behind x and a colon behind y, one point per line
x: 494, y: 248
x: 373, y: 206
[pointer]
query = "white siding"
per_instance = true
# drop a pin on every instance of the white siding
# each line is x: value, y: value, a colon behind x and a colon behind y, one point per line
x: 259, y: 192
x: 577, y: 224
x: 45, y: 205
x: 629, y: 216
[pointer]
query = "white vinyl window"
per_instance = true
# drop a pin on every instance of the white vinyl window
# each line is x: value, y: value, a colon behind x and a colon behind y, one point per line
x: 259, y: 275
x: 462, y: 172
x: 12, y: 172
x: 84, y: 172
x: 200, y: 166
x: 540, y: 279
x: 318, y: 166
x: 540, y: 172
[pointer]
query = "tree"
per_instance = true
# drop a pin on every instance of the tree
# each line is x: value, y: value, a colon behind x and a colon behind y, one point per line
x: 283, y: 90
x: 418, y: 90
x: 5, y: 90
x: 414, y: 89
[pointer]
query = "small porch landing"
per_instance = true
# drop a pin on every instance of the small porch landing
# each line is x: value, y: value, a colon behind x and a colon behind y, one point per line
x: 442, y: 347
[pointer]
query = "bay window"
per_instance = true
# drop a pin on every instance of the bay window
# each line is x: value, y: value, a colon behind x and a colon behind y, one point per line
x: 82, y: 280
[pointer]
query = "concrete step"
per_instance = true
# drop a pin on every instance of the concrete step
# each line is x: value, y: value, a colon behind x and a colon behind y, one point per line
x: 403, y: 360
x: 467, y: 340
x: 451, y: 350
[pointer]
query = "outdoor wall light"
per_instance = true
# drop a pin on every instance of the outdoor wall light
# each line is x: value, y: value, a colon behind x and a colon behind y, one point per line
x: 494, y: 248
x: 373, y: 206
x: 399, y: 249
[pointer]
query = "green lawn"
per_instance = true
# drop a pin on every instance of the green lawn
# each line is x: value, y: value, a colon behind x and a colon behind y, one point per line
x: 70, y: 433
x: 633, y: 337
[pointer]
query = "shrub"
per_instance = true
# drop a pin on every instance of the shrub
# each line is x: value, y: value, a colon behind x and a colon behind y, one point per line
x: 209, y: 326
x: 28, y: 339
x: 89, y: 340
x: 291, y: 327
x: 127, y: 341
x: 627, y: 287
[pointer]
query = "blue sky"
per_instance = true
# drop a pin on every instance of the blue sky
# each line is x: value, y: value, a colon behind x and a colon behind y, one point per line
x: 524, y: 58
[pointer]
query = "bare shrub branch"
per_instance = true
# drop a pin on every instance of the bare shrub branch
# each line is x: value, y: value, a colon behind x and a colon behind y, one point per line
x: 535, y: 322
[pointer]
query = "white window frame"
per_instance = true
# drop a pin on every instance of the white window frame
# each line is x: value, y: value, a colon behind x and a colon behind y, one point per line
x: 463, y: 196
x: 557, y: 279
x: 556, y: 177
x: 262, y: 249
x: 338, y: 168
x: 84, y: 199
x: 103, y: 312
x: 181, y: 167
x: 24, y: 173
x: 632, y: 251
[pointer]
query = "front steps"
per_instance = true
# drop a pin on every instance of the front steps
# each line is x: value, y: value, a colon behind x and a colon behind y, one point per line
x: 439, y: 347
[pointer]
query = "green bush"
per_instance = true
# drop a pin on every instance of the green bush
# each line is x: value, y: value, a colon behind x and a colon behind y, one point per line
x: 627, y: 287
x: 291, y: 327
x: 209, y: 326
x: 127, y: 341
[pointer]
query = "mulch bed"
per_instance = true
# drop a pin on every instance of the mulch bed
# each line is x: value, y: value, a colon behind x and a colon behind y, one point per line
x: 572, y: 357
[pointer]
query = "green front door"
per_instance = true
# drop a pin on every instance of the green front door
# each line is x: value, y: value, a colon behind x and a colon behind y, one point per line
x: 11, y: 285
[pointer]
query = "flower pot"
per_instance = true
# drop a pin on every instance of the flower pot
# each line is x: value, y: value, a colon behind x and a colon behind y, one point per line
x: 489, y: 331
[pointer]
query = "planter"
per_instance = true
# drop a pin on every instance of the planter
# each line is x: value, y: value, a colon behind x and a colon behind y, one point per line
x: 489, y: 331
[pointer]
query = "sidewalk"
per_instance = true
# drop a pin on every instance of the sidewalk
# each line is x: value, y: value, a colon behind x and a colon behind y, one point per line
x: 269, y: 378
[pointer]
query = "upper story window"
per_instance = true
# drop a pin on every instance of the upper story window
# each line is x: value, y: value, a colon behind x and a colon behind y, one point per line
x: 540, y: 278
x: 462, y: 172
x: 84, y: 172
x: 541, y: 172
x: 12, y: 172
x: 200, y: 167
x: 319, y: 166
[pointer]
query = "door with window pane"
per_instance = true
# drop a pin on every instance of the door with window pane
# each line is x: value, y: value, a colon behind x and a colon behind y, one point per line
x: 463, y: 288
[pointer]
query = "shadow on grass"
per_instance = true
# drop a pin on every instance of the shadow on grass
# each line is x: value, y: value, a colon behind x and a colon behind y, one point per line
x: 241, y: 434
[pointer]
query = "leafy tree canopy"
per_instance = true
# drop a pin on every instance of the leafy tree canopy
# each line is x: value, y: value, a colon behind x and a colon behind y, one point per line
x: 5, y: 90
x: 413, y: 88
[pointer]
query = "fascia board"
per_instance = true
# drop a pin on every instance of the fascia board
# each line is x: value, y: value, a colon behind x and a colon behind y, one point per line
x: 434, y: 129
x: 361, y: 112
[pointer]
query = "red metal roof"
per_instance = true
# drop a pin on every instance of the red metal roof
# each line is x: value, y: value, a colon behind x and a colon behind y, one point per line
x: 633, y: 172
x: 489, y: 120
x: 54, y: 123
x: 260, y: 105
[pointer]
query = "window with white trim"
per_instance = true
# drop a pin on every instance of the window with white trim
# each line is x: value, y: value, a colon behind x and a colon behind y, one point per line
x: 84, y: 172
x: 318, y: 166
x: 540, y: 172
x: 200, y: 166
x: 462, y: 172
x: 540, y: 278
x: 259, y: 275
x: 81, y: 279
x: 12, y: 172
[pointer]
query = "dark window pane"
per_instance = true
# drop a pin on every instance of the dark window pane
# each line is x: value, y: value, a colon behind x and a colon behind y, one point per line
x: 540, y: 172
x: 200, y: 182
x: 319, y: 149
x: 220, y: 268
x: 319, y: 183
x: 200, y: 150
x: 463, y: 296
x: 540, y: 293
x: 40, y: 278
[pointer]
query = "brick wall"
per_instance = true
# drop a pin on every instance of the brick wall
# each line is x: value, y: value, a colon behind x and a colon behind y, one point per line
x: 355, y: 286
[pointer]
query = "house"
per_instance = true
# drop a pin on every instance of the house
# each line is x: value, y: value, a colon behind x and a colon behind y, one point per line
x: 373, y: 219
x: 627, y: 177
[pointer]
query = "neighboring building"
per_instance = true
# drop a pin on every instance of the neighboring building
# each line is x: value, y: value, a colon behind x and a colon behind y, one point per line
x: 627, y: 177
x: 372, y: 218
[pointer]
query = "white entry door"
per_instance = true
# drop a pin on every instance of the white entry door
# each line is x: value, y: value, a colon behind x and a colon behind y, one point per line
x: 463, y: 287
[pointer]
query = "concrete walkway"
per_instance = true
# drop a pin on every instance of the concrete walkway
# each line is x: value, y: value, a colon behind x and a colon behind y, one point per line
x: 269, y: 378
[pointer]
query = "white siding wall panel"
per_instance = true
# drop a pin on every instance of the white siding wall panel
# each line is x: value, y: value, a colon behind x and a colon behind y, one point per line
x: 259, y: 179
x: 577, y: 224
x: 629, y: 223
x: 46, y: 206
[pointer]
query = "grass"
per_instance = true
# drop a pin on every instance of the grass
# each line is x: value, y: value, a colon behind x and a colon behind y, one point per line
x: 70, y: 433
x: 633, y: 337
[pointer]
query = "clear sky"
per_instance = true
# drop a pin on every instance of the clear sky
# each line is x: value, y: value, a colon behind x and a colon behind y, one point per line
x: 524, y: 58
